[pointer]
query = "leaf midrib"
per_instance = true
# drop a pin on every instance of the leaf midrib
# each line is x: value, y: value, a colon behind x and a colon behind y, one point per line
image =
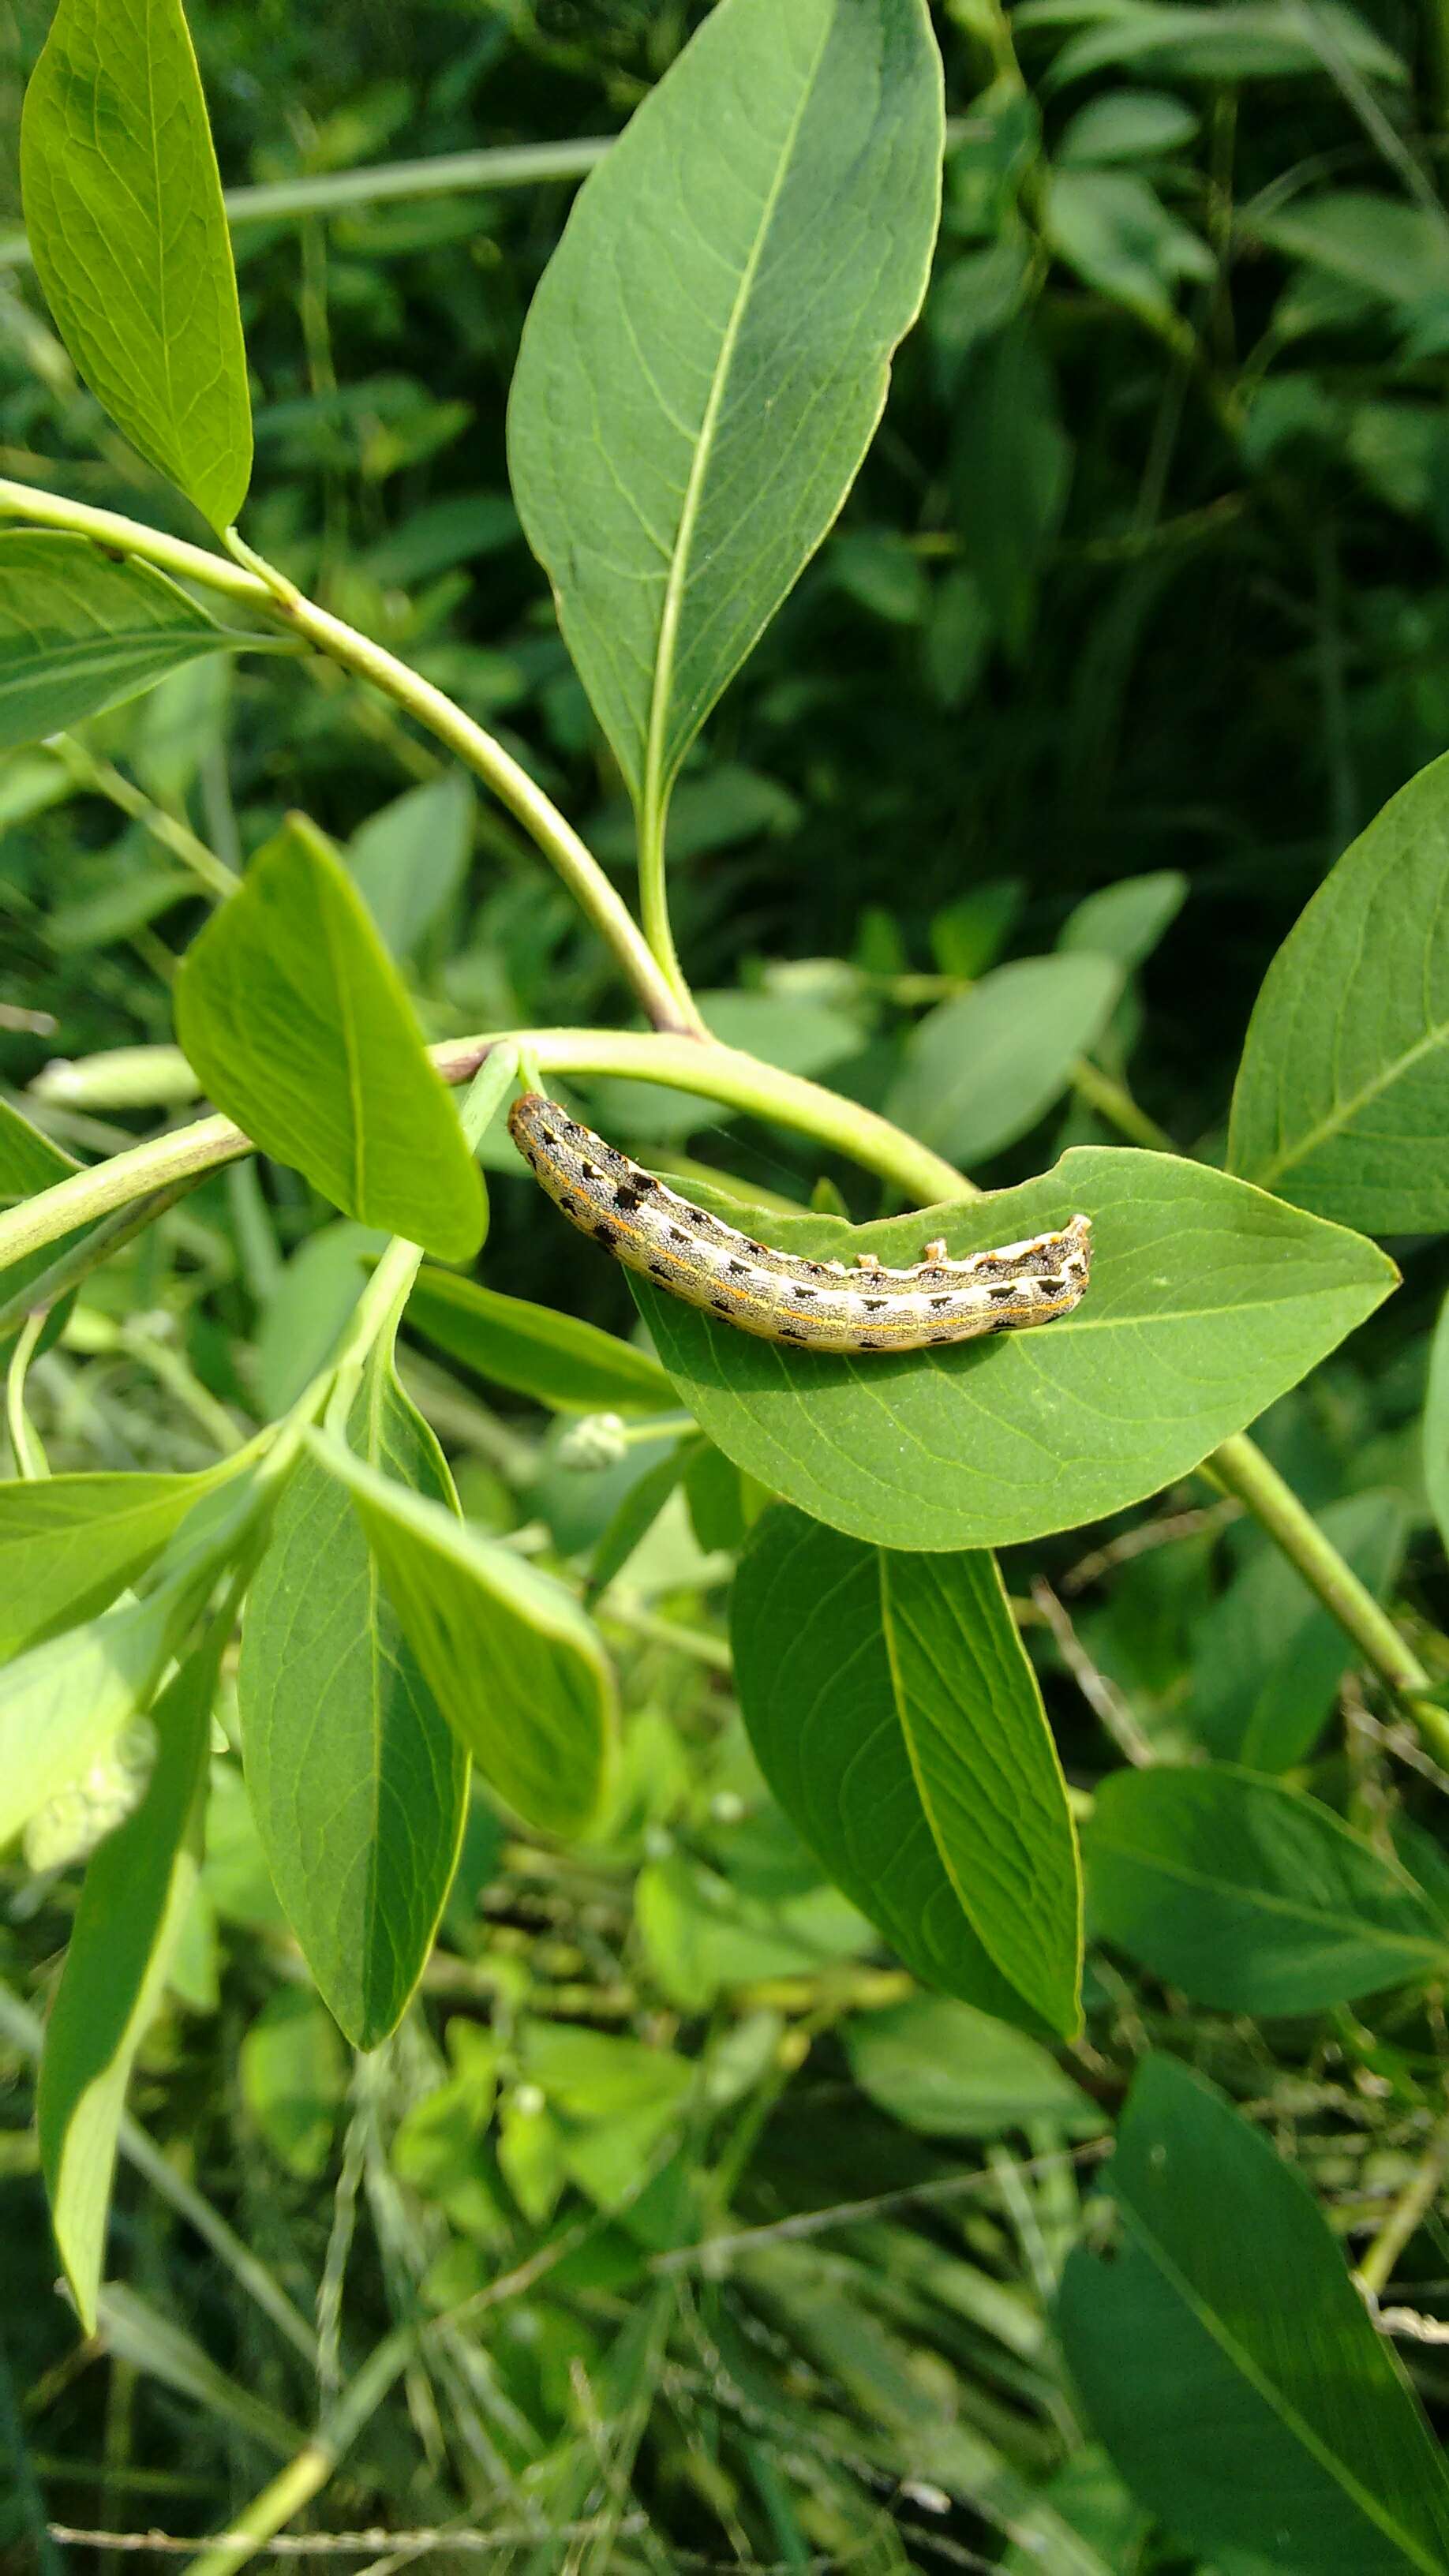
x: 654, y: 781
x: 1272, y: 2396
x: 1345, y: 1111
x: 1291, y: 1908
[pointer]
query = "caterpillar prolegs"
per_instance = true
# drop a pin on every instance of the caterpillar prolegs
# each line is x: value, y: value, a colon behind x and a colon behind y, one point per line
x: 811, y: 1305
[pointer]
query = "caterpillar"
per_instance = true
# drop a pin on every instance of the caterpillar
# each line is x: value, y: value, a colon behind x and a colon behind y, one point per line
x: 810, y: 1305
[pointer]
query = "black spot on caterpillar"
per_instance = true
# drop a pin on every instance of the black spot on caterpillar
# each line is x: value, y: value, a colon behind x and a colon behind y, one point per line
x: 706, y: 1263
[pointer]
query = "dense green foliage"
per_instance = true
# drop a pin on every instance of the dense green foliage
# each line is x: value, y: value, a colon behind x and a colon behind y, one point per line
x: 629, y: 1878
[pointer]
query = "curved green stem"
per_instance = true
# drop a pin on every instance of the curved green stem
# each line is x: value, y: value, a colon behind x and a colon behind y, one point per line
x: 1240, y: 1466
x: 271, y: 596
x: 696, y: 1065
x: 654, y: 907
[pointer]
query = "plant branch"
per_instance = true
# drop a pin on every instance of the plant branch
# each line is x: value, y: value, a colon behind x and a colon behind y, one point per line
x: 103, y: 779
x: 271, y: 596
x: 700, y: 1066
x: 1240, y: 1468
x: 1409, y: 2211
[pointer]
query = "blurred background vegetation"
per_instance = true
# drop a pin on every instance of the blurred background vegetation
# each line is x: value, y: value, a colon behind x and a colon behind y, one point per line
x: 1145, y: 577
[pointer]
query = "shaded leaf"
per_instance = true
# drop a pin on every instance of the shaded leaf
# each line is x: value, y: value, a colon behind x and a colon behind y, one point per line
x: 69, y: 1544
x: 1228, y: 2362
x: 981, y: 1069
x: 1268, y: 1658
x: 1250, y: 1897
x: 80, y: 632
x: 952, y: 2072
x: 412, y: 856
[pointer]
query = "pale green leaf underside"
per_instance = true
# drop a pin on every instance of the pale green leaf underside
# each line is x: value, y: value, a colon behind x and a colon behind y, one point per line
x: 357, y: 1783
x: 707, y: 356
x: 898, y: 1722
x: 80, y: 633
x: 1208, y: 1299
x: 513, y: 1663
x: 1249, y: 1897
x: 292, y: 1014
x: 137, y: 1891
x: 1230, y: 2365
x: 1342, y: 1096
x: 124, y: 211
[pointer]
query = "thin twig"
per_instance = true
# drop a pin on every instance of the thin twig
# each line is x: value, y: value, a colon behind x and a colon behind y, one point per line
x: 847, y: 2213
x: 1203, y: 1519
x: 1101, y: 1696
x: 339, y: 2544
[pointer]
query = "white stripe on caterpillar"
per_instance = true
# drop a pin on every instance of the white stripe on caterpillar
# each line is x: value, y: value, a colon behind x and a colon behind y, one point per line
x: 809, y: 1305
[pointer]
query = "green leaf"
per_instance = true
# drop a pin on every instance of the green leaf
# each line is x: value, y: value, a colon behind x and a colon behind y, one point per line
x: 61, y: 1702
x: 1268, y: 1658
x: 703, y: 1935
x: 69, y: 1544
x: 1125, y: 125
x: 634, y: 1517
x: 306, y: 1308
x: 1208, y: 1300
x: 1249, y: 1897
x: 1436, y: 1425
x: 29, y: 1161
x: 293, y: 2079
x: 129, y: 235
x: 706, y: 358
x: 1115, y: 232
x: 409, y: 859
x: 515, y: 1666
x: 898, y: 1722
x: 358, y: 1785
x: 80, y: 632
x: 952, y: 2072
x: 980, y: 1070
x: 552, y: 1357
x: 138, y: 1891
x: 1395, y: 251
x: 293, y: 1016
x: 1011, y: 463
x: 66, y: 1699
x: 1125, y: 921
x: 1246, y: 40
x: 1229, y: 2364
x: 1342, y: 1096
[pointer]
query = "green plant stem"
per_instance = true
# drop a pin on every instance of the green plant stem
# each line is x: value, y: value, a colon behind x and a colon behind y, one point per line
x: 309, y: 2470
x: 1408, y: 2213
x: 662, y: 996
x: 271, y: 596
x: 65, y: 1273
x: 1114, y: 1102
x: 1240, y: 1468
x: 102, y: 779
x: 696, y: 1065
